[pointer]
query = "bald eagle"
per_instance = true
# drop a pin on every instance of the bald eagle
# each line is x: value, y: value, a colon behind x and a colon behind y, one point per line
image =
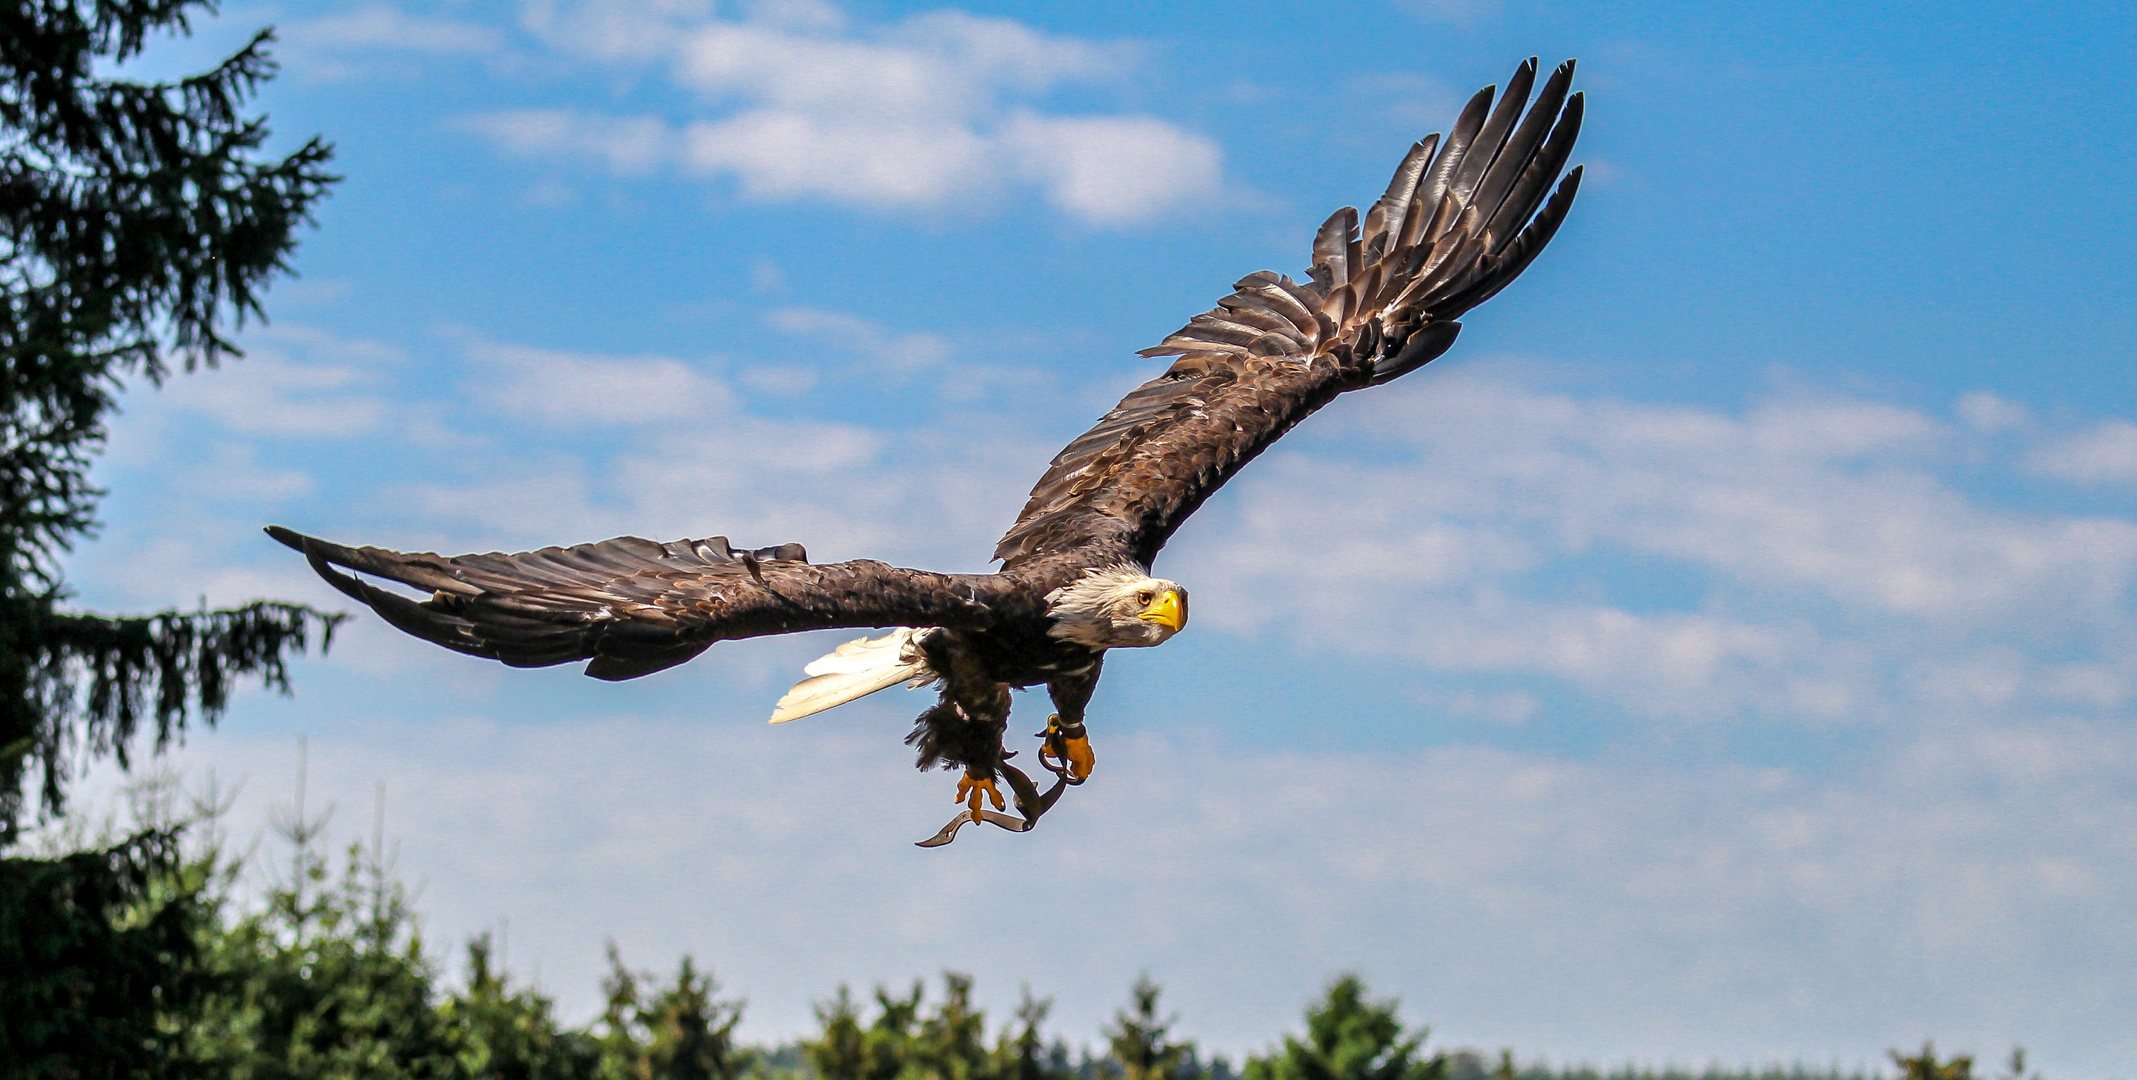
x: 1461, y: 219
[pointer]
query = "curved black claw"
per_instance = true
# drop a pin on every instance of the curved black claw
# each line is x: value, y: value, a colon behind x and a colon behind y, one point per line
x: 949, y: 832
x: 1030, y: 803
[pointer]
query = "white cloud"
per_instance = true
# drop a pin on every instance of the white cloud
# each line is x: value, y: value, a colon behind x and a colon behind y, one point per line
x: 1114, y: 170
x: 1838, y: 496
x: 1984, y: 411
x: 614, y: 29
x: 292, y: 382
x: 1806, y: 560
x: 234, y: 471
x: 779, y: 153
x: 381, y: 27
x: 2105, y: 454
x: 627, y: 146
x: 1799, y: 562
x: 904, y: 352
x: 779, y: 381
x: 934, y: 67
x: 576, y: 389
x: 377, y: 39
x: 917, y: 114
x: 1802, y: 561
x: 819, y: 15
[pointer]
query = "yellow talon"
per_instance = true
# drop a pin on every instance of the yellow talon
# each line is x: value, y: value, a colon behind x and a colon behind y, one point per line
x: 971, y: 789
x: 1074, y: 754
x: 1080, y: 758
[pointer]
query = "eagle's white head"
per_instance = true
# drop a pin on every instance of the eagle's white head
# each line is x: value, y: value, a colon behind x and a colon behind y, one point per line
x: 1117, y: 607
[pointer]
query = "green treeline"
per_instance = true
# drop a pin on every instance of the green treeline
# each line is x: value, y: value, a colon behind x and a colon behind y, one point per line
x: 139, y: 959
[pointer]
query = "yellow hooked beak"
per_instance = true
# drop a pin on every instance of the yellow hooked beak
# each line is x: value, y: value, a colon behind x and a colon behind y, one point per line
x: 1166, y: 611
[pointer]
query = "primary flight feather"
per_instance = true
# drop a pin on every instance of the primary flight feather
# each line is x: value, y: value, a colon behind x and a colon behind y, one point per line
x: 1461, y: 219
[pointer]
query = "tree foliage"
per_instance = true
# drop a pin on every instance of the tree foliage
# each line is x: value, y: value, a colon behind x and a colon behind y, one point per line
x: 1925, y: 1066
x: 139, y: 222
x: 326, y: 979
x: 1024, y: 1053
x: 97, y: 950
x: 1349, y: 1037
x: 1141, y: 1043
x: 508, y: 1033
x: 673, y: 1031
x: 906, y: 1041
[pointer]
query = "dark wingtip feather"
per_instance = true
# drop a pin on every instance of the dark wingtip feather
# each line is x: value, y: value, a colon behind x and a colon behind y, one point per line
x: 1562, y: 199
x: 348, y: 584
x: 1491, y: 138
x: 1456, y: 146
x: 1516, y: 258
x: 288, y: 537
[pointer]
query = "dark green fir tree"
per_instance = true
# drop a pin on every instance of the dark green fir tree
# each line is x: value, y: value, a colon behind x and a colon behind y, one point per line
x: 1139, y: 1041
x: 1025, y: 1053
x: 139, y: 222
x: 845, y: 1049
x: 680, y: 1030
x: 1350, y: 1037
x: 512, y: 1033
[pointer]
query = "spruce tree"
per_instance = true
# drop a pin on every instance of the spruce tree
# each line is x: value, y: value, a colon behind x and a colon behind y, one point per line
x: 329, y: 978
x: 1925, y: 1066
x: 672, y: 1031
x: 1349, y: 1037
x: 952, y: 1041
x: 93, y: 961
x: 1140, y: 1044
x: 1023, y: 1051
x: 844, y: 1050
x: 139, y: 222
x: 512, y: 1033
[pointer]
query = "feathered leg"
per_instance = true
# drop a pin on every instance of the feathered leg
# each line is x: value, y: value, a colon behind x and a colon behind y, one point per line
x: 965, y: 728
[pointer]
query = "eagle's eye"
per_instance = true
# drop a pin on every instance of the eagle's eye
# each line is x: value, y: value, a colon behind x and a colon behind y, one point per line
x: 1143, y: 597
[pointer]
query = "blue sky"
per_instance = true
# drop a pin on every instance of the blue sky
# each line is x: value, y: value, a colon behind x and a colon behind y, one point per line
x: 1725, y: 652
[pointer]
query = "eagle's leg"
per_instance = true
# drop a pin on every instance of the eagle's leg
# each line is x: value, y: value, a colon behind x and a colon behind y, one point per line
x: 968, y: 733
x: 1065, y: 750
x: 971, y: 789
x: 1065, y: 738
x: 965, y: 727
x: 980, y: 748
x: 955, y: 733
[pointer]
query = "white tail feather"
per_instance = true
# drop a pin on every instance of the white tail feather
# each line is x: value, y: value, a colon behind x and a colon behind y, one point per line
x: 855, y: 670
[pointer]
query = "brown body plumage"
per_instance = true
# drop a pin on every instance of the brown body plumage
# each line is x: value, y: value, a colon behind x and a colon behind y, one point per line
x: 1460, y: 220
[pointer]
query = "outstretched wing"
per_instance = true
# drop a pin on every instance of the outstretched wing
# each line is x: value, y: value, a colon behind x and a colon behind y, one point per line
x: 634, y: 606
x: 1461, y: 219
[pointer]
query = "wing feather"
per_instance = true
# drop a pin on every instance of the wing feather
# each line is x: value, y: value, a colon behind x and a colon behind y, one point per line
x: 1332, y: 250
x: 1456, y: 149
x: 1520, y: 149
x: 1460, y: 219
x: 1492, y: 137
x: 633, y: 606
